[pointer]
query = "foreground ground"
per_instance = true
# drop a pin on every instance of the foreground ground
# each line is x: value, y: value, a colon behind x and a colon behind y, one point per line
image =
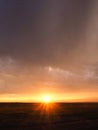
x: 59, y: 116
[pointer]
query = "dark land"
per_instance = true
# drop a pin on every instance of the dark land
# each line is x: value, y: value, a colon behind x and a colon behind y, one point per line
x: 55, y: 116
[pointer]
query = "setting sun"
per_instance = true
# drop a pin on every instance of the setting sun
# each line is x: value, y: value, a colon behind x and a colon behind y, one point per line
x: 46, y: 99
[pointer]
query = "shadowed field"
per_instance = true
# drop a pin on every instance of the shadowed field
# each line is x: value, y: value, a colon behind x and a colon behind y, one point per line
x: 58, y: 116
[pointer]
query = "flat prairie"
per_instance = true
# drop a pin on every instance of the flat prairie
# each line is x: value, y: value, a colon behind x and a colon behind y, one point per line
x: 52, y: 116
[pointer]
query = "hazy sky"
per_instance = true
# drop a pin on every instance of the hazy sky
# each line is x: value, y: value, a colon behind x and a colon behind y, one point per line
x: 49, y: 46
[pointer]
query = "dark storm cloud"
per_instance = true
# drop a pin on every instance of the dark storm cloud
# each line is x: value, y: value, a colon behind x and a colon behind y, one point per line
x: 43, y: 32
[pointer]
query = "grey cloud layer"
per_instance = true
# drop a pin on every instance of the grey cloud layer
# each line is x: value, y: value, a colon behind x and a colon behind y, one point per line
x: 36, y: 34
x: 44, y: 31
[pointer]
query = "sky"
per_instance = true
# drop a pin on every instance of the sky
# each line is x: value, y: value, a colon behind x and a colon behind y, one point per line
x: 49, y: 47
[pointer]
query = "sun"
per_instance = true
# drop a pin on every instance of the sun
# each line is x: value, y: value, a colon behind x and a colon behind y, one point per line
x: 46, y: 99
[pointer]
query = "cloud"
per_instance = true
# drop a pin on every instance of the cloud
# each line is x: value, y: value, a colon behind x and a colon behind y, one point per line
x: 48, y: 44
x: 23, y: 80
x: 43, y: 32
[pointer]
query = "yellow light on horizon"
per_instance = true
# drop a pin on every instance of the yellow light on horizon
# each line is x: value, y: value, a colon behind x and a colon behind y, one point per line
x: 46, y: 99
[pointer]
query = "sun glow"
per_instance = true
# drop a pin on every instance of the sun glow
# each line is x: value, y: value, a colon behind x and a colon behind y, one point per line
x: 46, y: 99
